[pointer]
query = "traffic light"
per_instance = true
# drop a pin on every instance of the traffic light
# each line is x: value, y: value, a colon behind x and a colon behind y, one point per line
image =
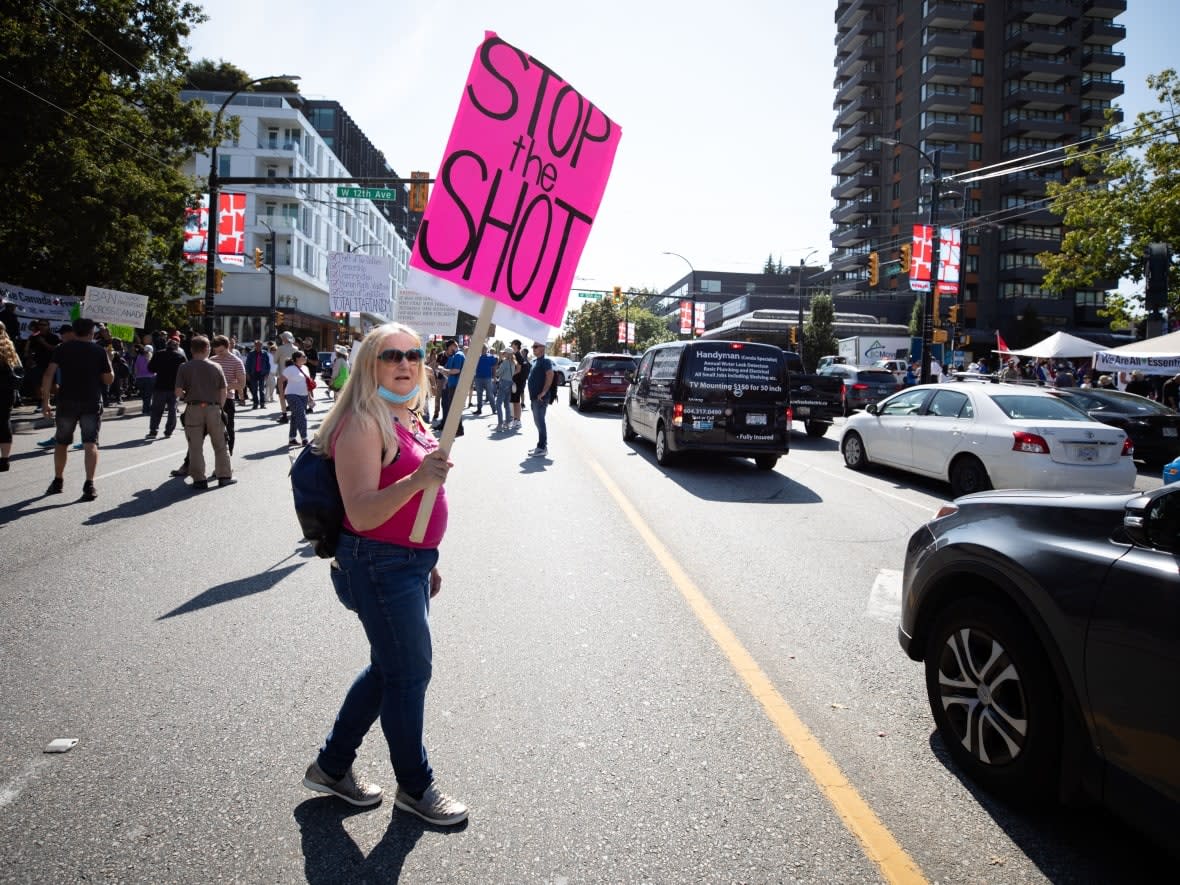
x: 196, y: 306
x: 874, y: 269
x: 419, y: 191
x: 218, y: 280
x: 953, y: 313
x: 617, y: 297
x: 793, y: 335
x: 939, y: 336
x: 907, y: 252
x: 257, y: 258
x: 280, y: 320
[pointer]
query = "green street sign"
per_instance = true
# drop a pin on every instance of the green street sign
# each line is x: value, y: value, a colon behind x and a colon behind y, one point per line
x: 595, y: 296
x: 893, y: 270
x: 366, y: 193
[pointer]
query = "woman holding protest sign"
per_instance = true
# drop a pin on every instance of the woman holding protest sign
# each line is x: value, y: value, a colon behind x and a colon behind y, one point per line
x: 385, y: 459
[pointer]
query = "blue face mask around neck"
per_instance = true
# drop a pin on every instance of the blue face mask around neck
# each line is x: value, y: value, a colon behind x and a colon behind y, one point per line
x: 397, y: 398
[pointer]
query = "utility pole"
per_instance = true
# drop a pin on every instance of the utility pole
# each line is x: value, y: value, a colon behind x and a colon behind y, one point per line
x: 274, y: 257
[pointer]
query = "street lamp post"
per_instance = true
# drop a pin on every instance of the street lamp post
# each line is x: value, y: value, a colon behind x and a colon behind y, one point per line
x: 214, y: 216
x: 274, y: 252
x: 799, y: 298
x: 692, y: 293
x: 935, y: 161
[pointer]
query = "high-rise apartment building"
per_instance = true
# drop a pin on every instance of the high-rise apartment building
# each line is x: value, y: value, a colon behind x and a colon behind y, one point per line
x: 972, y: 85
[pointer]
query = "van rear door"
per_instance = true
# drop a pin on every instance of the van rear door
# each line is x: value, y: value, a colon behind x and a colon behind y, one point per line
x: 734, y: 393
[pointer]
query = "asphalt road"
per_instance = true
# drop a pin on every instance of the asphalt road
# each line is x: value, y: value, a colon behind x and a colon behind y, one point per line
x: 599, y: 641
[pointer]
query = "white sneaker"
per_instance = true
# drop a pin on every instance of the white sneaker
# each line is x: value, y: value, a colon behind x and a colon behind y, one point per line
x: 516, y: 425
x: 538, y: 452
x: 435, y: 807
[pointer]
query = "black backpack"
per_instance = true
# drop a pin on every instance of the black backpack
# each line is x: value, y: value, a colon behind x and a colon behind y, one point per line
x: 318, y: 504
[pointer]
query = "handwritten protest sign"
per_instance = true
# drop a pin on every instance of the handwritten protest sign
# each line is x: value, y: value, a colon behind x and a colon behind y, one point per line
x: 358, y: 282
x: 518, y: 189
x: 113, y: 306
x: 520, y: 184
x: 425, y: 315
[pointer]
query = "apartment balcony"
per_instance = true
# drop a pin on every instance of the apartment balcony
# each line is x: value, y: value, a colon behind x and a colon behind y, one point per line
x: 1095, y: 116
x: 853, y: 161
x: 945, y: 131
x: 855, y: 135
x: 842, y: 238
x: 848, y: 11
x: 848, y: 40
x: 946, y: 103
x: 849, y: 84
x: 1045, y: 12
x: 850, y: 112
x: 282, y: 224
x: 1107, y: 33
x: 1027, y: 183
x: 947, y: 14
x: 1033, y: 273
x: 1037, y: 96
x: 1037, y: 128
x: 1101, y: 58
x: 1018, y: 66
x: 1104, y: 8
x: 943, y: 69
x: 954, y: 43
x: 858, y: 211
x: 953, y: 160
x: 1031, y: 38
x: 855, y: 184
x: 1101, y: 87
x: 1028, y: 244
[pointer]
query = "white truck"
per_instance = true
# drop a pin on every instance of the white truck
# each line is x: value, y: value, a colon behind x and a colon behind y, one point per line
x: 864, y: 350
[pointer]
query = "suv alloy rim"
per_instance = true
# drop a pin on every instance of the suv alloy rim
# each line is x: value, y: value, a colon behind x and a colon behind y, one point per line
x: 983, y: 696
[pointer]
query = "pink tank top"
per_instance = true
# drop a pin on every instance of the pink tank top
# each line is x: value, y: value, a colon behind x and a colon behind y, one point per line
x: 412, y: 448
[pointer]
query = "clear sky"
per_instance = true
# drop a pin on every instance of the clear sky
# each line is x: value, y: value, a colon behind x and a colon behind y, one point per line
x: 726, y: 108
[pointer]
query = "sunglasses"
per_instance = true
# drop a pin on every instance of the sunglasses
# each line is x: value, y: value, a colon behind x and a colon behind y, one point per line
x: 393, y: 355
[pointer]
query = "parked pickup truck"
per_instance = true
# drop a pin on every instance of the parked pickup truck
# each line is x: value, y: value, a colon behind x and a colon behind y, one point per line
x: 815, y: 399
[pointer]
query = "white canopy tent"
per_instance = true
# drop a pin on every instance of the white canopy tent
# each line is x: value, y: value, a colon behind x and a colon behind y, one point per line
x: 1152, y: 356
x: 1059, y: 345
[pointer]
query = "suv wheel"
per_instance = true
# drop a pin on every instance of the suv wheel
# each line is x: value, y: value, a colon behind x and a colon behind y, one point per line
x: 581, y: 403
x: 571, y: 395
x: 816, y: 428
x: 628, y: 430
x: 994, y: 698
x: 663, y: 453
x: 766, y: 462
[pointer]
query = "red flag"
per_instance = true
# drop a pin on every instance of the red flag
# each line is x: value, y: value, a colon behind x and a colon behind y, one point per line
x: 1001, y: 345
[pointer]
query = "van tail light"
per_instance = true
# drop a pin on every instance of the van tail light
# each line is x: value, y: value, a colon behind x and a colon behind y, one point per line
x: 677, y: 414
x: 790, y: 416
x: 843, y: 390
x: 1128, y: 447
x: 860, y: 387
x: 1029, y: 442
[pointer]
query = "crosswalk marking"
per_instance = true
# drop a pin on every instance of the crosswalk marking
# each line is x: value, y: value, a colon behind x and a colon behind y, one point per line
x: 885, y: 597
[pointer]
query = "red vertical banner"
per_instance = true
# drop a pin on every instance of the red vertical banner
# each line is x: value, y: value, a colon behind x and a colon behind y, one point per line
x: 231, y: 228
x: 949, y: 251
x: 630, y: 333
x: 622, y: 338
x: 685, y: 317
x: 922, y: 255
x: 698, y: 320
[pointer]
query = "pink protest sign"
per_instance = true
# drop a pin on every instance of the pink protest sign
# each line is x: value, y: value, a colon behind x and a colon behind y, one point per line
x: 519, y: 186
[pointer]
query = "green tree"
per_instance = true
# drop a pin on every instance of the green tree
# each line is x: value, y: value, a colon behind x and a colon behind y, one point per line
x: 819, y: 331
x: 916, y: 318
x: 221, y: 76
x: 595, y: 327
x: 96, y: 135
x: 1136, y: 201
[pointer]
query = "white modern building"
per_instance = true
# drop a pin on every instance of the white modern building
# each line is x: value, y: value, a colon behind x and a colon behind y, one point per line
x: 275, y: 140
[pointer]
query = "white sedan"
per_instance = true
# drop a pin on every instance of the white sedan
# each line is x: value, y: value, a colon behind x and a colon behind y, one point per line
x: 562, y: 369
x: 982, y: 435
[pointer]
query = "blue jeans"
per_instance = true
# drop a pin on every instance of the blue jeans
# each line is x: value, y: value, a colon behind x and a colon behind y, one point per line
x: 503, y: 404
x: 297, y: 406
x: 257, y: 386
x: 485, y: 386
x: 539, y: 407
x: 388, y: 587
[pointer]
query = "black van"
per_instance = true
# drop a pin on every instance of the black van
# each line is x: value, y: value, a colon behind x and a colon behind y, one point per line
x: 728, y: 397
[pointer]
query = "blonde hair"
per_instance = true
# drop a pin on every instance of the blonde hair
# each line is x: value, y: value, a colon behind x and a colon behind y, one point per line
x: 7, y: 350
x: 359, y: 398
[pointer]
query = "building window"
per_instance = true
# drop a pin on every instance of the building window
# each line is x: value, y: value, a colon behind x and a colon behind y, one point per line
x: 223, y: 164
x: 1025, y: 290
x: 1089, y: 298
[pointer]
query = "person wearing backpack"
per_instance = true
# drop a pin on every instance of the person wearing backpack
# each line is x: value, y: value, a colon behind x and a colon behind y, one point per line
x: 340, y: 370
x: 385, y: 458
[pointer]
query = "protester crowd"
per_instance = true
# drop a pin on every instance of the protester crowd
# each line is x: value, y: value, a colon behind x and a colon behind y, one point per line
x: 76, y: 371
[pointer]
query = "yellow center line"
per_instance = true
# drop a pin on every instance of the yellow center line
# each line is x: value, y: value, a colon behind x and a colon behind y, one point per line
x: 877, y: 842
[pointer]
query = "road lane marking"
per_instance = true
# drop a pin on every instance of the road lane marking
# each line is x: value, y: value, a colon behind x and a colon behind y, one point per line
x: 876, y: 841
x: 138, y: 464
x: 885, y: 596
x: 867, y: 487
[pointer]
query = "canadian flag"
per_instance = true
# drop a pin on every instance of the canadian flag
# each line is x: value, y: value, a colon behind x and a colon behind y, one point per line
x: 1001, y: 345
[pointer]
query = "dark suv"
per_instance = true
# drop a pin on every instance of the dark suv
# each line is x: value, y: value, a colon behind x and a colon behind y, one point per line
x: 1049, y: 624
x: 600, y: 378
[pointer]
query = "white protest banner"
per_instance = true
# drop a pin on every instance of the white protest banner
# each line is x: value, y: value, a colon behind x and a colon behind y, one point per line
x: 425, y: 315
x: 113, y: 306
x: 33, y: 304
x: 359, y: 283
